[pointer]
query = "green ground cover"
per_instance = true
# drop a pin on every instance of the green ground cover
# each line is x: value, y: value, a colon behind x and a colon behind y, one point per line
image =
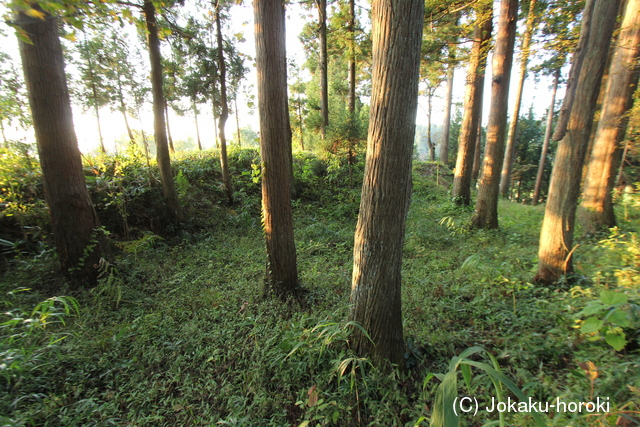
x: 179, y: 333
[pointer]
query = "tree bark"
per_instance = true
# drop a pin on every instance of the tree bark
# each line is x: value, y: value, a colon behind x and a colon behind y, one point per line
x: 166, y: 115
x: 352, y: 60
x: 235, y: 105
x: 386, y: 190
x: 597, y: 203
x: 446, y: 124
x: 472, y: 104
x: 74, y: 222
x: 162, y: 149
x: 195, y: 115
x: 123, y: 110
x: 486, y: 214
x: 505, y: 179
x: 224, y: 109
x: 556, y: 237
x: 275, y: 147
x: 324, y: 85
x: 430, y: 144
x: 547, y: 138
x: 574, y: 73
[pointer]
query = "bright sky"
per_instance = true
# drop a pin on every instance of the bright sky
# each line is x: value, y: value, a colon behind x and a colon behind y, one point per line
x: 535, y: 93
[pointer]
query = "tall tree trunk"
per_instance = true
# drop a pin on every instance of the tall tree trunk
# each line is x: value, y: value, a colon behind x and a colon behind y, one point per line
x: 195, y: 115
x: 386, y: 190
x: 123, y: 110
x: 162, y: 150
x: 505, y: 179
x: 103, y: 150
x: 324, y: 85
x: 275, y: 147
x: 300, y: 122
x: 166, y: 115
x: 224, y: 109
x: 94, y: 92
x: 597, y: 204
x: 430, y: 144
x: 486, y: 214
x: 576, y: 66
x: 556, y: 237
x: 74, y: 222
x: 547, y: 138
x: 472, y: 104
x: 235, y: 107
x: 446, y: 124
x: 352, y: 60
x: 477, y: 155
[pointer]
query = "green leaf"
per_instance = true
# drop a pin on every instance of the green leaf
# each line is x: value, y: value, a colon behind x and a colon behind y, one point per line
x: 592, y: 324
x: 619, y: 318
x: 617, y: 341
x: 593, y: 308
x: 466, y: 374
x: 613, y: 298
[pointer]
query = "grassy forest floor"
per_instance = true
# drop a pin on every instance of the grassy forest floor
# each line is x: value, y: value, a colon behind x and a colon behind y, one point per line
x: 179, y: 333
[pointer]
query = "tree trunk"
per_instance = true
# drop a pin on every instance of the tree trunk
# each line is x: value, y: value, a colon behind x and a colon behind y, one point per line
x: 166, y: 115
x: 74, y: 222
x: 235, y: 105
x: 472, y: 104
x: 547, y: 138
x: 195, y: 115
x: 505, y: 179
x: 275, y: 148
x: 430, y: 144
x: 597, y: 204
x: 556, y: 237
x: 103, y: 150
x: 477, y: 155
x: 352, y: 60
x: 300, y: 122
x: 123, y: 110
x: 324, y: 86
x: 224, y: 109
x: 162, y: 155
x: 486, y: 214
x: 386, y: 190
x: 446, y: 124
x: 576, y: 65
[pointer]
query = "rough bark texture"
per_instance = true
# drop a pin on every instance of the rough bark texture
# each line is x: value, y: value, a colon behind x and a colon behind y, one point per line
x: 224, y: 110
x: 486, y: 214
x: 275, y: 147
x: 324, y: 85
x: 556, y: 237
x: 574, y: 73
x: 596, y: 210
x: 73, y: 219
x: 510, y: 150
x: 547, y: 139
x: 472, y: 106
x: 159, y: 125
x: 386, y: 190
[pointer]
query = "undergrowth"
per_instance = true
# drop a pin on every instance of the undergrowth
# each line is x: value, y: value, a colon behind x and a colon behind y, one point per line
x: 178, y: 333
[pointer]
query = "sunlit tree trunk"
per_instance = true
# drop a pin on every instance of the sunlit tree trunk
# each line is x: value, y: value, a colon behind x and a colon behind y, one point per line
x: 159, y: 125
x: 224, y: 109
x: 275, y: 147
x: 556, y: 237
x: 486, y: 214
x: 235, y: 105
x: 195, y: 115
x: 472, y: 104
x: 597, y: 203
x: 430, y: 144
x: 547, y: 138
x: 166, y: 115
x: 505, y: 179
x: 123, y: 110
x: 74, y: 222
x: 386, y: 190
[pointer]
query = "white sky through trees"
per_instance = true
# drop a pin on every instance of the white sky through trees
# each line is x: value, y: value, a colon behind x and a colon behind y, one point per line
x: 536, y: 93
